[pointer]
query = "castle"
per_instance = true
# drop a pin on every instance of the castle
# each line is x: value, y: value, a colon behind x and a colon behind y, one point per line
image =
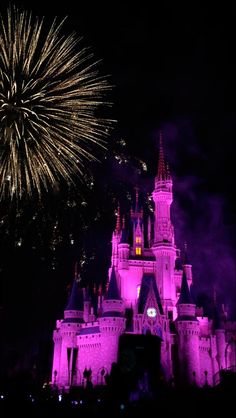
x: 147, y: 279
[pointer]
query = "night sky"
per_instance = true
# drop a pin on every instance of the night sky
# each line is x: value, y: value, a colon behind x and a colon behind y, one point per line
x: 172, y: 68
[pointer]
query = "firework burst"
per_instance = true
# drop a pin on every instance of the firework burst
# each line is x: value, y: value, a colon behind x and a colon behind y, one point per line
x: 50, y: 92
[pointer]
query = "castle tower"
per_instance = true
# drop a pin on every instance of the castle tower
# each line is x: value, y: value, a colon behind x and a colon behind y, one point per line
x: 187, y: 266
x: 87, y: 306
x: 116, y: 236
x: 65, y: 348
x: 123, y: 249
x: 219, y: 330
x: 138, y: 232
x: 164, y: 243
x: 112, y: 322
x: 188, y: 336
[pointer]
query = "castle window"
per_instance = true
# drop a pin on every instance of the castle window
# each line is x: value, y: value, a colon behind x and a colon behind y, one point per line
x: 138, y: 240
x: 138, y: 290
x: 138, y: 251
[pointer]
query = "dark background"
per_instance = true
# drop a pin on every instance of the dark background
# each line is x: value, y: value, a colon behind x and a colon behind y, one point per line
x: 172, y: 67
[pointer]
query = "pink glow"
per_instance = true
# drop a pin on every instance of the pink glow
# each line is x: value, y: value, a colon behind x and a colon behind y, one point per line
x: 85, y: 346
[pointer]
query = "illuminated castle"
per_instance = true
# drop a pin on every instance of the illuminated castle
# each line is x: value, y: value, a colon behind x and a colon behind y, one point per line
x: 149, y: 283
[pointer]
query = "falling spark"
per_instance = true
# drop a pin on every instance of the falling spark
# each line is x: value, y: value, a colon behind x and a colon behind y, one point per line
x: 50, y: 92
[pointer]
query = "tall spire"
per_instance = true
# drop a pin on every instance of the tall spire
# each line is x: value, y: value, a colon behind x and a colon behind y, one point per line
x: 149, y: 232
x: 113, y: 291
x: 76, y: 274
x: 118, y: 225
x: 186, y: 257
x: 76, y: 299
x: 162, y: 173
x: 123, y: 239
x: 136, y: 199
x: 214, y: 296
x: 185, y: 295
x: 215, y: 313
x: 123, y: 222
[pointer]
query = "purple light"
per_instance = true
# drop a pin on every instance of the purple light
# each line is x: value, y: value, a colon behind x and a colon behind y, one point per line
x: 149, y: 279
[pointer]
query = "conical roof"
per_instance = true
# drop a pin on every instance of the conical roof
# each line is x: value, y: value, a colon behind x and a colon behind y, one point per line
x: 76, y: 298
x: 113, y: 291
x: 185, y: 295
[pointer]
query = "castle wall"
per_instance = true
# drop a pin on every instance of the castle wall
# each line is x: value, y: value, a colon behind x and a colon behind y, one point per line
x: 90, y: 356
x: 206, y: 362
x: 188, y: 341
x: 56, y: 356
x: 111, y: 329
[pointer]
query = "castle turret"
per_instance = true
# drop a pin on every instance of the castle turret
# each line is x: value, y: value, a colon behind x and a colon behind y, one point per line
x: 65, y: 347
x: 219, y: 330
x: 188, y: 336
x: 123, y: 248
x: 187, y: 266
x: 112, y: 301
x: 112, y: 321
x: 116, y: 236
x: 75, y: 305
x: 87, y: 305
x: 164, y: 243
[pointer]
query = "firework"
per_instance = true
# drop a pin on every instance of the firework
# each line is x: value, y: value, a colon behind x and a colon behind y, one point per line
x: 50, y: 92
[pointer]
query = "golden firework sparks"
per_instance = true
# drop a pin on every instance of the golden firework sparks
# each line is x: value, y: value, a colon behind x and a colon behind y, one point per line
x: 50, y: 90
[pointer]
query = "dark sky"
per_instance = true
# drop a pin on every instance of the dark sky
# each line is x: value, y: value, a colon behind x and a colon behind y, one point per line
x: 172, y: 67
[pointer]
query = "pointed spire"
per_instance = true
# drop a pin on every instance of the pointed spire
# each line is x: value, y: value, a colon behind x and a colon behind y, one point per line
x: 113, y: 291
x: 186, y: 258
x: 215, y: 313
x: 219, y: 314
x: 94, y: 289
x: 77, y: 276
x: 214, y: 296
x: 123, y: 239
x: 185, y: 295
x: 136, y: 199
x: 118, y: 228
x: 100, y: 290
x: 161, y: 171
x: 87, y: 295
x: 76, y: 299
x: 149, y: 232
x: 123, y: 222
x: 168, y: 176
x: 178, y: 263
x: 136, y: 211
x: 76, y: 271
